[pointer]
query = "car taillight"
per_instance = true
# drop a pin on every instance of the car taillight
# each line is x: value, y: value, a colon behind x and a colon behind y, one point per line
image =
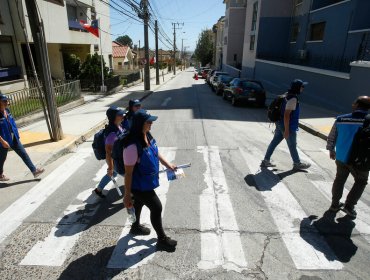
x: 239, y: 90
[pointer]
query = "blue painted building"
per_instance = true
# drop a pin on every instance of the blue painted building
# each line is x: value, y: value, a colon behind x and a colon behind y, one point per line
x: 326, y: 34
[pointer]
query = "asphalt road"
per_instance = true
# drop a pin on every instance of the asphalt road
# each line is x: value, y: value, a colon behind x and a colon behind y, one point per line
x: 231, y: 219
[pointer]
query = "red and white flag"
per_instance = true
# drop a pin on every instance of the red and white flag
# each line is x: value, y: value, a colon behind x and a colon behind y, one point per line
x: 153, y: 60
x: 93, y: 28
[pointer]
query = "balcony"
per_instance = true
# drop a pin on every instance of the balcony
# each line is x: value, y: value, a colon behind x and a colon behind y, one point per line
x: 75, y: 25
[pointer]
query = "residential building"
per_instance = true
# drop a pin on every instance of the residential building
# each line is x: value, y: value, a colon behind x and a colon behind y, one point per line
x: 218, y: 30
x: 234, y: 29
x: 326, y: 34
x: 63, y: 32
x: 251, y: 37
x: 123, y: 58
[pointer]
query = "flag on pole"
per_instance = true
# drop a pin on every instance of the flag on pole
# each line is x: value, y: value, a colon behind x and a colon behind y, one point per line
x: 153, y: 60
x: 93, y: 28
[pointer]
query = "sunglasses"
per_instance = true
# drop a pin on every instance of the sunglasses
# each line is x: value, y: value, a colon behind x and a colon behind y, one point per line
x: 139, y: 105
x: 149, y: 122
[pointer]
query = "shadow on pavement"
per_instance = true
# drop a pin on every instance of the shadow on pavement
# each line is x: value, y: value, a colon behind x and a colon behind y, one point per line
x: 90, y: 266
x: 268, y: 179
x: 95, y: 211
x: 7, y: 185
x: 336, y: 232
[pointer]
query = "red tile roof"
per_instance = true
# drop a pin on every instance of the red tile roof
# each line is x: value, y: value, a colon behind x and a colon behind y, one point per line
x: 119, y: 50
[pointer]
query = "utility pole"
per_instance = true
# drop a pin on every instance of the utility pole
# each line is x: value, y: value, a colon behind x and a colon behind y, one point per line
x: 37, y: 29
x: 182, y: 52
x: 156, y: 54
x: 145, y: 16
x: 174, y: 44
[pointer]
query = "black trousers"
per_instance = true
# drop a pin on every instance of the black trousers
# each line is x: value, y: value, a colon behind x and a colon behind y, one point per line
x: 150, y: 200
x: 343, y: 171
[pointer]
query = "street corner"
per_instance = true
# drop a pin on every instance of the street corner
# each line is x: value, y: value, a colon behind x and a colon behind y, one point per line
x: 41, y: 142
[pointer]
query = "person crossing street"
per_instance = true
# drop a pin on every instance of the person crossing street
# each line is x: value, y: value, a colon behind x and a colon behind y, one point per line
x: 9, y: 138
x: 287, y: 127
x: 339, y: 144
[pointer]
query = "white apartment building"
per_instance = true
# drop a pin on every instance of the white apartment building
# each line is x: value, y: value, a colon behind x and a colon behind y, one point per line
x: 218, y: 29
x: 63, y: 32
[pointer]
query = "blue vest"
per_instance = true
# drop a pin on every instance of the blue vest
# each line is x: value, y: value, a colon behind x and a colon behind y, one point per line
x: 146, y: 171
x: 294, y: 116
x: 347, y: 126
x: 7, y: 127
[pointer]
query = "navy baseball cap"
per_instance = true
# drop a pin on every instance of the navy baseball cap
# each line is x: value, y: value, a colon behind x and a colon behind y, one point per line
x: 133, y: 103
x: 297, y: 83
x: 143, y: 116
x: 3, y: 97
x: 113, y: 111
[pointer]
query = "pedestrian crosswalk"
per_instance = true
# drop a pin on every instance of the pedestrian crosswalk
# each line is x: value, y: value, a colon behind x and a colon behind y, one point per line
x: 220, y: 233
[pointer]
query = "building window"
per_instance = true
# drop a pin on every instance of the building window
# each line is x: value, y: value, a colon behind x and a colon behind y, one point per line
x: 225, y: 40
x: 317, y: 31
x: 59, y: 2
x: 252, y: 42
x: 295, y: 32
x: 7, y: 56
x: 1, y: 20
x: 254, y: 16
x: 298, y: 8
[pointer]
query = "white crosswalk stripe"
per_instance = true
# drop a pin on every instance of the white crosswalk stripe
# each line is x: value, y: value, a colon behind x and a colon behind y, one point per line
x: 56, y: 247
x: 285, y: 210
x: 134, y: 251
x: 220, y: 238
x: 12, y: 217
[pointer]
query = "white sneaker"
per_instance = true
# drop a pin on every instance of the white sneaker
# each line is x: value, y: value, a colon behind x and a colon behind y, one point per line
x: 266, y: 163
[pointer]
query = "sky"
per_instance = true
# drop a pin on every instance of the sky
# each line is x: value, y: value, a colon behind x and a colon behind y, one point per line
x: 195, y: 14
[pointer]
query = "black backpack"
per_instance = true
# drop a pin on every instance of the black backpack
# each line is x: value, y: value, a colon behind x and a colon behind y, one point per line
x: 274, y: 110
x: 360, y: 151
x: 117, y: 152
x: 98, y: 144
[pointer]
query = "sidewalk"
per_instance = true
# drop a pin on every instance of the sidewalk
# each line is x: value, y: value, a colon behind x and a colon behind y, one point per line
x: 78, y: 125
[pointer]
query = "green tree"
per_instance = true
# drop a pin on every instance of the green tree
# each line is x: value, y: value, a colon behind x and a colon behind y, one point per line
x: 91, y: 70
x: 124, y: 40
x: 204, y: 49
x: 72, y: 65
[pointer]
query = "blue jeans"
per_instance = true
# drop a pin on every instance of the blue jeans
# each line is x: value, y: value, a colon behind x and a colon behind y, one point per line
x: 291, y: 141
x: 105, y: 181
x: 21, y: 152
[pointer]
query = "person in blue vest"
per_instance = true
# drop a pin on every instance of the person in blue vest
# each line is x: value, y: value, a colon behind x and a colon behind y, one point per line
x: 288, y: 126
x: 9, y: 138
x: 133, y: 106
x: 339, y: 145
x: 141, y: 158
x: 114, y: 129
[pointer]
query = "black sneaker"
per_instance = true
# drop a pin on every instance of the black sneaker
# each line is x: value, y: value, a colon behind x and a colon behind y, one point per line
x: 335, y: 207
x: 139, y: 230
x: 350, y: 211
x: 166, y: 244
x: 99, y: 193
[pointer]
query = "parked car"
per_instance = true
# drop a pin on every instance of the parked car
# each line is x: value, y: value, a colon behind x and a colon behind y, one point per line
x: 222, y: 81
x: 205, y: 72
x: 247, y: 91
x: 209, y: 75
x: 215, y: 76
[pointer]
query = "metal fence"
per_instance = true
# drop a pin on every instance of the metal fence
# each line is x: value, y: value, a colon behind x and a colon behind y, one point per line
x: 94, y: 85
x: 334, y: 63
x: 26, y: 101
x: 130, y: 78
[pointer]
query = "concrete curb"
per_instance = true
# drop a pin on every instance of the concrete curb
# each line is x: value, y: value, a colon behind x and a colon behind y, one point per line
x: 308, y: 128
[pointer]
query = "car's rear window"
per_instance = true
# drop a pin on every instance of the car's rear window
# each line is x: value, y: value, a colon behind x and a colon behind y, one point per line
x: 221, y: 73
x: 250, y: 85
x: 226, y: 79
